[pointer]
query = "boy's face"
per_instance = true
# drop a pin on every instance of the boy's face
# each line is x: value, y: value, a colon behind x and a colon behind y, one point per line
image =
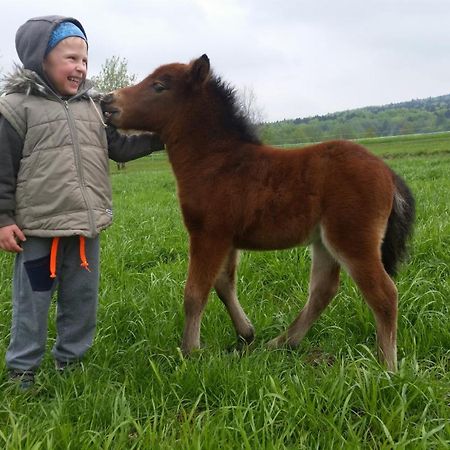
x: 66, y: 65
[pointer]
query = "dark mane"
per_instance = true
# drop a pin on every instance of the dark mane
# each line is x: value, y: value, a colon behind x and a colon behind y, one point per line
x: 234, y: 119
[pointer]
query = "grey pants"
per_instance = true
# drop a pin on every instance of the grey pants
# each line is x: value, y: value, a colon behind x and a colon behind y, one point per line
x: 77, y: 297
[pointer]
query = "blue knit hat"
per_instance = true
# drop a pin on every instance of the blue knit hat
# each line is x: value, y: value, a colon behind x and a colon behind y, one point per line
x: 63, y: 31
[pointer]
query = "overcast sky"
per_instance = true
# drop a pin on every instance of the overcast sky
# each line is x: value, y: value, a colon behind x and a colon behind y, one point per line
x: 300, y: 57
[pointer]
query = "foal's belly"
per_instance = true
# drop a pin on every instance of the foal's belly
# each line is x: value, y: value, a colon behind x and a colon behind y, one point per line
x: 274, y: 240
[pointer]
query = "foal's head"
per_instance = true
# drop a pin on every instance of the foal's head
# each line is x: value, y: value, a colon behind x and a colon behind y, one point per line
x: 153, y: 103
x: 180, y: 93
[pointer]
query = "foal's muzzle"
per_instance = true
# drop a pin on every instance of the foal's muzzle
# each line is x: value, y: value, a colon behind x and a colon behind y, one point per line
x: 108, y: 108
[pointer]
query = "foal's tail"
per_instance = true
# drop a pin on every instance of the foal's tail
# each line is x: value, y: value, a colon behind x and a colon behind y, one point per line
x: 394, y: 249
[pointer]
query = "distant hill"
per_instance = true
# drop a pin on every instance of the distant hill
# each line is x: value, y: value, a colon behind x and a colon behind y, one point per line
x: 414, y: 116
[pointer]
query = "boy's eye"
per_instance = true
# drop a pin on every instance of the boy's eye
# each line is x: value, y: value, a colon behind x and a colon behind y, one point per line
x: 158, y: 87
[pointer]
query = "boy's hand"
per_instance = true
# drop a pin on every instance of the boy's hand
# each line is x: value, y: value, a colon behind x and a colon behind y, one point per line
x: 10, y: 237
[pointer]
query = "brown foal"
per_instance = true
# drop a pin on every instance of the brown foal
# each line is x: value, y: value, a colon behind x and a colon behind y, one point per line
x: 236, y: 193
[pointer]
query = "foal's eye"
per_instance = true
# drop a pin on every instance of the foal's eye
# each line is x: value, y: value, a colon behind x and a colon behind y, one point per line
x: 158, y: 87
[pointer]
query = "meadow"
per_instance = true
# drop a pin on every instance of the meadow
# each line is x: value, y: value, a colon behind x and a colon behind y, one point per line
x: 135, y: 390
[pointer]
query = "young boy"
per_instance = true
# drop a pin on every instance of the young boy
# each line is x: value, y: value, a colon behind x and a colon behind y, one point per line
x: 55, y: 194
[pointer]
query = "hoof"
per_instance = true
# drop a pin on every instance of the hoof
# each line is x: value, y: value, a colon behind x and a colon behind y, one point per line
x: 248, y: 338
x: 189, y: 351
x: 281, y: 341
x: 243, y: 343
x: 275, y: 343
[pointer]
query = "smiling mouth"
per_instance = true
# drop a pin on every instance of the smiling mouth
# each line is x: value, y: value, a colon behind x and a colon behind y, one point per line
x: 74, y: 80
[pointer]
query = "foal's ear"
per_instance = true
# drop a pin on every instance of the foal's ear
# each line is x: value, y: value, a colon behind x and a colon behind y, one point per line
x: 200, y: 69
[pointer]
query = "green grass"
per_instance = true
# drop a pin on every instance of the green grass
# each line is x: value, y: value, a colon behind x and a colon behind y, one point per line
x: 406, y: 145
x: 136, y: 391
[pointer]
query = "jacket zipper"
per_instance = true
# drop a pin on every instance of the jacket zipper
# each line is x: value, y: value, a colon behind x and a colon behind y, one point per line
x: 79, y: 166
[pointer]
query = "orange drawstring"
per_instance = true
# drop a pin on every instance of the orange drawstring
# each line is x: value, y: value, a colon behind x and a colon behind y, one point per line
x: 84, y: 262
x: 54, y: 252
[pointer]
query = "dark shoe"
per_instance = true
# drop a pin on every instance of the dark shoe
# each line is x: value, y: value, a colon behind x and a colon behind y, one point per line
x: 64, y: 366
x: 23, y: 378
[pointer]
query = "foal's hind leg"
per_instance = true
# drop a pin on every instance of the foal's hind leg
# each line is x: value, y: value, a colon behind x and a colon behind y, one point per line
x: 324, y: 283
x: 380, y: 293
x: 226, y: 290
x: 206, y: 256
x: 360, y: 253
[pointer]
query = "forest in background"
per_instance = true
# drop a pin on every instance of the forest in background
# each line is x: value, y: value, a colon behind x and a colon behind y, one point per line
x: 416, y: 116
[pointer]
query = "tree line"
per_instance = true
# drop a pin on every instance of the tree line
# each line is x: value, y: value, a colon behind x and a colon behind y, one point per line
x: 415, y: 116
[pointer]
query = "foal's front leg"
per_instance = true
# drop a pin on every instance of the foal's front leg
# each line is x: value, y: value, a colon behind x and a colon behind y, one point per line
x: 225, y: 286
x: 206, y: 257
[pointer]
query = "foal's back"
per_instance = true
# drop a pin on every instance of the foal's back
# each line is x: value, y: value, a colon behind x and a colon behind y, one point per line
x: 278, y: 198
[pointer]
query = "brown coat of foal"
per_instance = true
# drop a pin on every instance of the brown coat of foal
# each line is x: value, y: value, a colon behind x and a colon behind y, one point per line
x: 236, y: 193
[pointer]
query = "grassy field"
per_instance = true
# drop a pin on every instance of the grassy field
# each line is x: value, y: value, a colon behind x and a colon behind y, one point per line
x: 136, y: 391
x: 408, y: 145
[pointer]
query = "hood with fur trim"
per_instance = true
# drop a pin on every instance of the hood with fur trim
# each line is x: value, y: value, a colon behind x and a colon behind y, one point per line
x: 28, y: 82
